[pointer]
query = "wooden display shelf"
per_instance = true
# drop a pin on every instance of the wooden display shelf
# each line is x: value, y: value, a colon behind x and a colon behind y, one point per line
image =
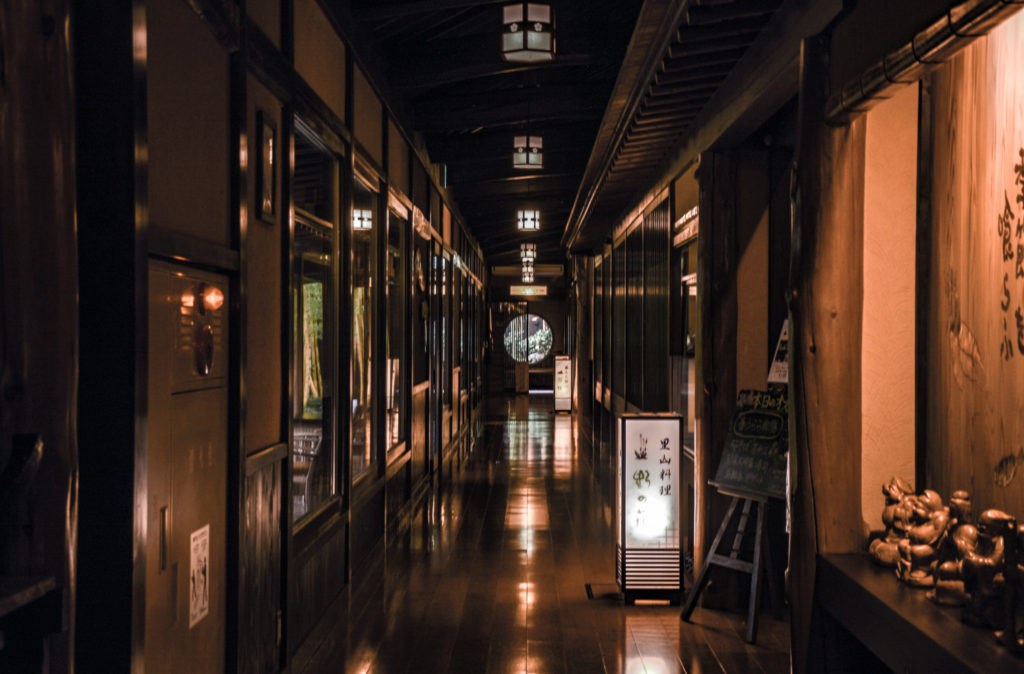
x: 900, y: 625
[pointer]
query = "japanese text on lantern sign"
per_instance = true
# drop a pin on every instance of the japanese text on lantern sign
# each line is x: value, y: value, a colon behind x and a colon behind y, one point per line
x: 649, y: 497
x: 642, y: 476
x: 1010, y: 227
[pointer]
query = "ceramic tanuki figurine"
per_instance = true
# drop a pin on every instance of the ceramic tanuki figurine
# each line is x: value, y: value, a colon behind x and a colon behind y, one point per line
x: 1012, y: 635
x: 896, y: 515
x: 919, y: 550
x: 983, y: 558
x: 949, y: 577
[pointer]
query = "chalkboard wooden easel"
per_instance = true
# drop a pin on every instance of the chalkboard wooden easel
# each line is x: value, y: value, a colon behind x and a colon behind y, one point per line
x: 752, y: 471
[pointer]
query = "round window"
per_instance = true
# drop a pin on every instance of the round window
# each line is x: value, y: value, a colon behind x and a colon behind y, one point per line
x: 528, y: 338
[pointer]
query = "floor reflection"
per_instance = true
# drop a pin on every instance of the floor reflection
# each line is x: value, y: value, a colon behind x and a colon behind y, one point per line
x: 490, y: 573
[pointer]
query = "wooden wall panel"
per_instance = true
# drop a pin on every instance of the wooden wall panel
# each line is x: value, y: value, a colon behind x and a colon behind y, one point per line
x: 583, y: 363
x: 368, y: 125
x: 418, y: 425
x: 888, y: 352
x: 685, y: 192
x: 260, y: 571
x: 320, y: 55
x: 617, y: 319
x: 188, y: 124
x: 39, y: 322
x: 657, y: 248
x: 398, y: 160
x: 634, y: 319
x: 317, y: 576
x: 975, y: 429
x: 263, y: 387
x: 267, y: 15
x: 751, y: 196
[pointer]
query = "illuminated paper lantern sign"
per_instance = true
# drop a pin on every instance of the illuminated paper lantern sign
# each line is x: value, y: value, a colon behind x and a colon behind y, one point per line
x: 648, y: 527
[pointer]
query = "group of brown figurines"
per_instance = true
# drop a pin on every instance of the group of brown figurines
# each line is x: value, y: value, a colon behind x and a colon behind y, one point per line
x: 977, y: 564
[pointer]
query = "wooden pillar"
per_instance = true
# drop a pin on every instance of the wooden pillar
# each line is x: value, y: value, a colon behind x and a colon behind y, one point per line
x: 38, y: 320
x: 715, y: 388
x: 113, y: 220
x: 825, y: 305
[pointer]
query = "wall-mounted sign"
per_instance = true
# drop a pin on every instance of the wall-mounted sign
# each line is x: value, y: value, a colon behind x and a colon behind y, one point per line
x: 528, y: 291
x: 779, y: 372
x: 199, y: 570
x: 754, y: 459
x: 563, y: 384
x: 686, y: 227
x: 648, y: 528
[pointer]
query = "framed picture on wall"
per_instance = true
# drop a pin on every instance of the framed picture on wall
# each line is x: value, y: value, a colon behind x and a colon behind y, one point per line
x: 266, y: 163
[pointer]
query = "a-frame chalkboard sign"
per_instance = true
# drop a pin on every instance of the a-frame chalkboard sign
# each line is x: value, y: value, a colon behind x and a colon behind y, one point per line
x: 752, y: 471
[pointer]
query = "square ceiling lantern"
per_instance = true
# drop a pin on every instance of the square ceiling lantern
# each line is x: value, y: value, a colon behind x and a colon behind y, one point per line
x: 362, y: 219
x: 528, y: 152
x: 528, y: 220
x: 528, y: 251
x: 527, y: 271
x: 528, y: 35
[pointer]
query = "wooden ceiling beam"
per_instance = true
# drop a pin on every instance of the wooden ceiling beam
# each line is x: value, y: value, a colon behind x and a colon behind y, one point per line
x: 689, y: 33
x: 511, y: 115
x: 710, y: 14
x: 430, y: 73
x: 687, y: 50
x: 379, y: 11
x: 658, y: 92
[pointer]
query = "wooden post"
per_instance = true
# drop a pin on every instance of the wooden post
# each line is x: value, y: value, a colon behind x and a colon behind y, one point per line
x: 827, y: 282
x: 715, y: 388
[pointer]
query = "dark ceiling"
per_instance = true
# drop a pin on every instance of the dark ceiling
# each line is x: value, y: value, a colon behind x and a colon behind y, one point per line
x: 442, y: 60
x: 605, y: 135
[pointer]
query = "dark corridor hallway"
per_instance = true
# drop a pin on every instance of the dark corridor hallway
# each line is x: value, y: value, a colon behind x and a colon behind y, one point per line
x: 491, y: 575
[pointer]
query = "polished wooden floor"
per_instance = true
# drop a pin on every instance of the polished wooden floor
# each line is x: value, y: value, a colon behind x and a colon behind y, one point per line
x: 492, y: 575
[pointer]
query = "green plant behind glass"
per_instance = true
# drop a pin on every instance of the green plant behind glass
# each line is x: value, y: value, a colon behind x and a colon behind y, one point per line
x: 313, y: 337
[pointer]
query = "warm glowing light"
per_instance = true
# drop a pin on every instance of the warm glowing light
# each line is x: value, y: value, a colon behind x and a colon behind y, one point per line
x: 650, y: 518
x: 213, y: 298
x: 188, y: 299
x: 528, y: 220
x: 647, y: 665
x: 526, y: 593
x: 362, y: 219
x: 243, y: 152
x: 528, y: 251
x: 527, y: 291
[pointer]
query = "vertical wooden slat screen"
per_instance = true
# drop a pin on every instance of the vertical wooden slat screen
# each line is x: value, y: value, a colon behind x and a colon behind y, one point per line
x: 657, y: 247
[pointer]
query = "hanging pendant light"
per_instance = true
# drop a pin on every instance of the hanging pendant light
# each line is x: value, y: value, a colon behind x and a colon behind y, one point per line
x: 528, y: 35
x: 528, y: 152
x: 528, y: 220
x: 362, y: 219
x: 527, y: 271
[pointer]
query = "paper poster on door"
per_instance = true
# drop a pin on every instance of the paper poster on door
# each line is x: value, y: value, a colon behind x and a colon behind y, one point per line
x: 199, y: 569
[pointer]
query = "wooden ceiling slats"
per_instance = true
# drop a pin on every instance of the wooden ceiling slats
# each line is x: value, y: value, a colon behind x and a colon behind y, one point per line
x: 701, y: 15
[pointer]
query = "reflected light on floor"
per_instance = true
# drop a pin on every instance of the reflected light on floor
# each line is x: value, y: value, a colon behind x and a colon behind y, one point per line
x: 563, y: 447
x: 647, y: 666
x: 526, y: 594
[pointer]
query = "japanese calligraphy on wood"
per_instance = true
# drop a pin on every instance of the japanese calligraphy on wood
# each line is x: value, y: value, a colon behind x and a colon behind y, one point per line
x: 975, y: 349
